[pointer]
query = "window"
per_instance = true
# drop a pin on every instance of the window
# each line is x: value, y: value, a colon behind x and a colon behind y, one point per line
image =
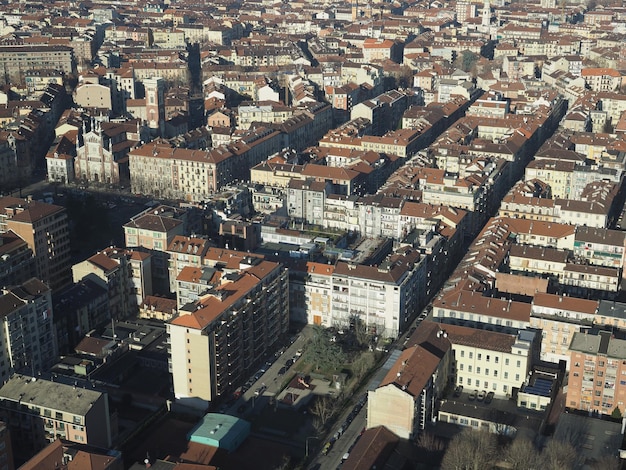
x: 488, y: 357
x: 462, y: 353
x: 517, y: 377
x: 58, y: 415
x: 519, y: 363
x: 497, y: 359
x: 506, y: 375
x: 506, y: 361
x: 471, y: 355
x: 469, y: 368
x: 480, y: 356
x: 478, y: 370
x: 495, y: 373
x: 469, y: 381
x: 460, y: 380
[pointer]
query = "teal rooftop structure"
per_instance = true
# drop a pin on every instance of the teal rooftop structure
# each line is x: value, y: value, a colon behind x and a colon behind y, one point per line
x: 220, y: 430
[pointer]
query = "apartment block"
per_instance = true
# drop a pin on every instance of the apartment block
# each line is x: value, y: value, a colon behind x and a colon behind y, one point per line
x: 489, y: 360
x: 152, y: 231
x: 559, y: 317
x: 16, y: 60
x: 110, y: 268
x: 17, y: 263
x: 218, y: 340
x: 28, y: 335
x: 79, y: 309
x: 38, y: 411
x: 182, y: 252
x: 597, y: 376
x: 404, y: 400
x: 383, y: 297
x: 44, y: 227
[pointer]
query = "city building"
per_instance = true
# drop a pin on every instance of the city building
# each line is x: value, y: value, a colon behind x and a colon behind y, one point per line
x: 44, y: 227
x: 17, y: 263
x: 15, y: 61
x: 111, y: 269
x: 28, y: 332
x: 217, y: 341
x: 404, y: 402
x: 597, y: 368
x: 383, y: 297
x: 153, y: 231
x: 38, y: 411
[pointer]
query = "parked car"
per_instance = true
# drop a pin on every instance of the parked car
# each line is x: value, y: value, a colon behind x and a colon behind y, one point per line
x: 326, y: 448
x: 481, y: 395
x: 259, y: 391
x: 472, y: 396
x: 282, y: 370
x: 458, y: 390
x: 489, y: 398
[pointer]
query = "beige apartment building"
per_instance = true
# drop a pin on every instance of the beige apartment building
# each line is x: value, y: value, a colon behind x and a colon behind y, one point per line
x: 404, y: 401
x: 489, y: 360
x: 44, y: 227
x: 559, y: 317
x: 218, y: 340
x: 152, y: 231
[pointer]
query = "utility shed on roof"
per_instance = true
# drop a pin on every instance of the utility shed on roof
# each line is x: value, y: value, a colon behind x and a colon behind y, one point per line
x: 220, y: 430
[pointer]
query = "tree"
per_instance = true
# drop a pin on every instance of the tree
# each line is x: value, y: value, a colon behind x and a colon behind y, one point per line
x: 616, y: 414
x: 362, y: 364
x: 558, y: 455
x: 323, y: 353
x: 607, y: 462
x: 522, y: 455
x: 322, y: 409
x: 471, y: 450
x: 360, y: 332
x: 466, y: 61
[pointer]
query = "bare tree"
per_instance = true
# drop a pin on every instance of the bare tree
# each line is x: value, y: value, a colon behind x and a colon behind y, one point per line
x: 521, y: 454
x: 322, y: 409
x: 430, y: 443
x: 471, y: 450
x: 362, y: 364
x: 608, y: 462
x: 285, y: 463
x: 558, y: 455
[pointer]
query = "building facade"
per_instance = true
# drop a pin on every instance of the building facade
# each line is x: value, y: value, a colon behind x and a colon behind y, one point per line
x: 218, y: 340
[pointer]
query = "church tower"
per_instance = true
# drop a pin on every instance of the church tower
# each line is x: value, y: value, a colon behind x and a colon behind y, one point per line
x: 155, y: 105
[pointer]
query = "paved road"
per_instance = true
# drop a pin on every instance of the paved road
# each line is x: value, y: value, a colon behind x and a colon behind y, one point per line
x: 270, y: 379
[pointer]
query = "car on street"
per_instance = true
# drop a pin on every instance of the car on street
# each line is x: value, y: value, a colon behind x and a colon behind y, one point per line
x: 282, y: 370
x: 259, y: 391
x: 458, y: 390
x: 481, y: 395
x: 489, y: 398
x: 326, y: 448
x: 472, y: 396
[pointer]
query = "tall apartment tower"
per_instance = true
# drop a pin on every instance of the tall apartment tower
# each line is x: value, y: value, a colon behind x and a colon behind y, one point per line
x: 26, y: 329
x: 45, y: 228
x: 155, y: 104
x: 239, y: 317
